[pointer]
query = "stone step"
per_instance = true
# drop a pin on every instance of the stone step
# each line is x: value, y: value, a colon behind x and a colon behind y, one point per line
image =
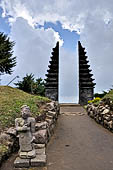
x: 68, y: 107
x: 71, y: 108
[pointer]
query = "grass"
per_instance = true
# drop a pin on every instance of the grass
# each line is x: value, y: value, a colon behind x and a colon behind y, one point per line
x: 11, y: 100
x: 109, y: 95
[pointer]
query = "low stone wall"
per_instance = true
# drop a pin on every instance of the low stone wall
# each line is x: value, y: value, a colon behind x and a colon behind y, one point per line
x: 45, y: 125
x: 102, y: 114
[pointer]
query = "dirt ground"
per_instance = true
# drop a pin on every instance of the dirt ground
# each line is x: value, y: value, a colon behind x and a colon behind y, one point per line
x: 79, y: 143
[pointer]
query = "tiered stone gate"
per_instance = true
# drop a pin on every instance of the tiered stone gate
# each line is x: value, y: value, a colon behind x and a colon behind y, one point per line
x: 51, y: 90
x: 86, y: 85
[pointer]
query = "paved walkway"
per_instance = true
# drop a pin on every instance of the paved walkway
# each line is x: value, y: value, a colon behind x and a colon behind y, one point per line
x: 80, y: 143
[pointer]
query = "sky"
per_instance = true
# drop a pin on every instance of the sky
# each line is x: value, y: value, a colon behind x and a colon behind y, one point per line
x: 36, y: 26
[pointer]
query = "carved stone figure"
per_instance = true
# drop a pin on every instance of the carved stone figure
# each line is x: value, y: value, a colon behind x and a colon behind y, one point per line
x: 25, y: 127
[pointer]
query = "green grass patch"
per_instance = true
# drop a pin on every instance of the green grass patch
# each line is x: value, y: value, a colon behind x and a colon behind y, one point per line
x: 11, y: 100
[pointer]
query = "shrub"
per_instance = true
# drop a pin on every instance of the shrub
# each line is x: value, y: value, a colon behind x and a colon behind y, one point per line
x: 95, y: 100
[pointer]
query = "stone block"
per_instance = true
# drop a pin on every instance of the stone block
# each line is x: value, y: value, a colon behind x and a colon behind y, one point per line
x: 51, y: 106
x: 38, y: 161
x: 41, y: 125
x: 21, y: 163
x: 51, y: 128
x: 50, y: 116
x: 4, y: 137
x: 49, y: 121
x: 12, y: 131
x: 39, y: 146
x: 51, y: 113
x: 40, y: 151
x: 41, y: 136
x: 110, y: 124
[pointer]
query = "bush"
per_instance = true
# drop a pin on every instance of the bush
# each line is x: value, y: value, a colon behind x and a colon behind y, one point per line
x: 95, y: 100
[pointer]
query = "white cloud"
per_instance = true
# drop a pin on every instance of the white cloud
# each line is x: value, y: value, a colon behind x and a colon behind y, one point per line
x: 93, y: 20
x: 99, y: 46
x: 33, y: 49
x: 72, y: 14
x: 58, y: 38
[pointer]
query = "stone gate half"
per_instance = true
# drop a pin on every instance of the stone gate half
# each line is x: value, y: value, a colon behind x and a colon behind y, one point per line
x: 86, y: 85
x: 52, y: 81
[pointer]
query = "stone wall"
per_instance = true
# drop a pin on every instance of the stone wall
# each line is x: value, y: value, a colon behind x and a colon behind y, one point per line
x: 44, y: 129
x: 102, y: 114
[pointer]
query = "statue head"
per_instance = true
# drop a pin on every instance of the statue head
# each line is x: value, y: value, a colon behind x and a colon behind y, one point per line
x: 25, y: 111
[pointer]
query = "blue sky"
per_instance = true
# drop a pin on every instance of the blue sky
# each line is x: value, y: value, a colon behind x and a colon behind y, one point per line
x: 4, y: 26
x: 70, y: 38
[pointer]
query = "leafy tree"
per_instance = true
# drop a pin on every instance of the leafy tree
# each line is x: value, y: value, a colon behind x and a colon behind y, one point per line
x: 26, y: 84
x: 100, y: 94
x: 7, y: 62
x: 30, y: 85
x: 39, y: 87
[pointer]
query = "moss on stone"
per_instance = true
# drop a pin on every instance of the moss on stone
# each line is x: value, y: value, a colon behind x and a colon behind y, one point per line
x: 3, y: 150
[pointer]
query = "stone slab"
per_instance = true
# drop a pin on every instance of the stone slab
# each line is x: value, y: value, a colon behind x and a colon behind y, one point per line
x: 50, y: 116
x: 39, y: 146
x: 40, y: 151
x: 39, y: 161
x: 51, y: 113
x: 41, y: 136
x: 21, y: 163
x: 49, y: 121
x: 41, y: 125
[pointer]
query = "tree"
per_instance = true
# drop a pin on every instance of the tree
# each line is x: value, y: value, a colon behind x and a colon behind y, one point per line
x: 100, y: 94
x: 7, y: 62
x: 39, y: 87
x: 30, y: 85
x: 26, y: 84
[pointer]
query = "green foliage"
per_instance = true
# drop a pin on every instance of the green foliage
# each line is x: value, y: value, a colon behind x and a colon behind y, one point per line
x: 3, y: 149
x: 26, y: 84
x: 30, y: 85
x: 39, y: 87
x: 100, y: 94
x: 95, y: 100
x: 7, y: 62
x: 11, y: 100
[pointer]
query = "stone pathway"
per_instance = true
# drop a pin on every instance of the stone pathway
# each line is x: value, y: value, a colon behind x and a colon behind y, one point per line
x: 79, y: 143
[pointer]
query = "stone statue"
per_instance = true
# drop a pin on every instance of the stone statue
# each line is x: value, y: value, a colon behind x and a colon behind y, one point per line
x: 25, y: 127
